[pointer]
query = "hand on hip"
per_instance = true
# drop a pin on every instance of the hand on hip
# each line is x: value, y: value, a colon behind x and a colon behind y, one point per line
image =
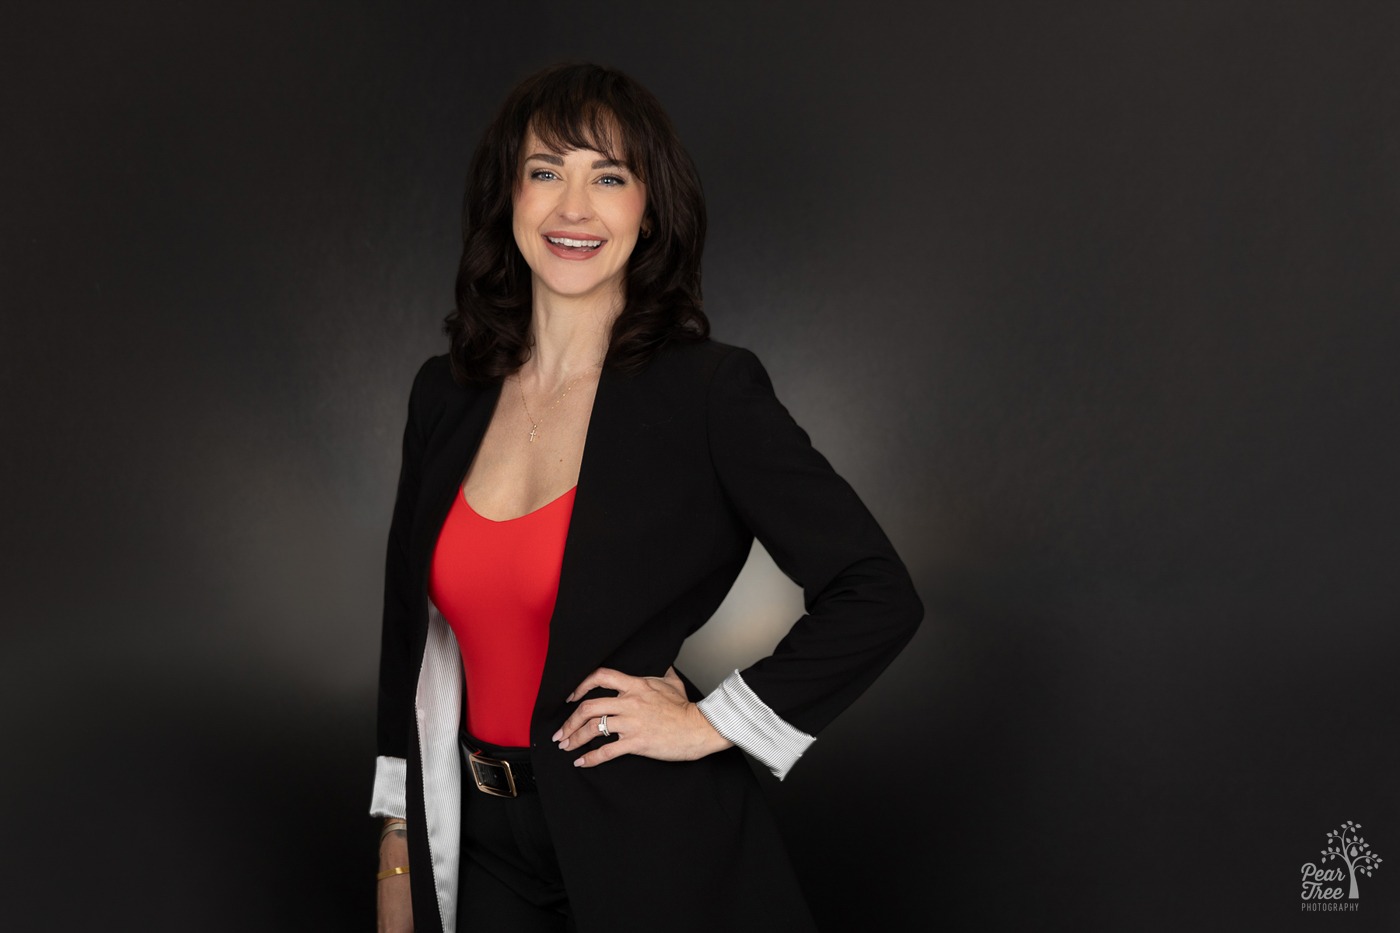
x: 650, y: 716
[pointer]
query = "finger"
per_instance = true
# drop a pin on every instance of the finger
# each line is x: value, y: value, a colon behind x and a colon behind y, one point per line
x: 591, y: 730
x: 586, y: 732
x: 605, y: 753
x: 588, y: 709
x: 674, y: 679
x: 603, y: 677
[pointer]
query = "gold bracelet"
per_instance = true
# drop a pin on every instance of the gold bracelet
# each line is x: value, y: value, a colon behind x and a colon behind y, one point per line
x: 393, y: 826
x: 391, y: 872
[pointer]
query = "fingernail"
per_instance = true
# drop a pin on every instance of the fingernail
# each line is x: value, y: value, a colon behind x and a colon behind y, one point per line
x: 557, y: 735
x: 578, y: 762
x: 564, y: 746
x: 570, y: 699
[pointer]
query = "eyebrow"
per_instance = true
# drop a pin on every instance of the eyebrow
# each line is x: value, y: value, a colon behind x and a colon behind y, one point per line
x: 559, y: 160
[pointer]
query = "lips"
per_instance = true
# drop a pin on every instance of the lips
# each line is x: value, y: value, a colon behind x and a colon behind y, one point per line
x: 573, y: 245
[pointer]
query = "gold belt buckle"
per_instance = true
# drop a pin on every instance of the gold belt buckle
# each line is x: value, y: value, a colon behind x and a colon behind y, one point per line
x: 478, y: 762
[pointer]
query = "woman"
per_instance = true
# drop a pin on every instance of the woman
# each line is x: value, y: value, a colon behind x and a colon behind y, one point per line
x: 583, y: 475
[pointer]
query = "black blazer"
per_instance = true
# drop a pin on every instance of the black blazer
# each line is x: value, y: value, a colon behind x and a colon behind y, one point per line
x: 684, y: 463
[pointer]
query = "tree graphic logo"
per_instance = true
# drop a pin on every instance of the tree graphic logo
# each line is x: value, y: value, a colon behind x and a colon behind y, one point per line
x: 1352, y: 849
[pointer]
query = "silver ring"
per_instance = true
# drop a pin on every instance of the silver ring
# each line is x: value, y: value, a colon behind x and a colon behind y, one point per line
x: 603, y: 725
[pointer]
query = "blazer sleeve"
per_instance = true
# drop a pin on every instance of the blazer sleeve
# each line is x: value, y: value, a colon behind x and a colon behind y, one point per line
x: 861, y: 607
x: 397, y: 670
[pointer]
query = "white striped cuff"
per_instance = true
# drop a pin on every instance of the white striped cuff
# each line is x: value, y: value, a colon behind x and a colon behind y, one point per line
x: 390, y: 787
x: 740, y: 716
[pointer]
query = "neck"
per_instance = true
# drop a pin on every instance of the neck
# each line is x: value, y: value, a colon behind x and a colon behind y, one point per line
x: 570, y: 337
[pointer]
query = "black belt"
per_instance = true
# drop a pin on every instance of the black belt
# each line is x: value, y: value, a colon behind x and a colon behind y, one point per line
x: 506, y: 773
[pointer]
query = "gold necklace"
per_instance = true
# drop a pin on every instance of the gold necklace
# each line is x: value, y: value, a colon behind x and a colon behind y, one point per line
x: 535, y: 422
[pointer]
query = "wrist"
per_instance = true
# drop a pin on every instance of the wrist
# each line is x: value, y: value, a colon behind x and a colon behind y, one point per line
x: 393, y: 844
x: 711, y: 740
x: 391, y: 856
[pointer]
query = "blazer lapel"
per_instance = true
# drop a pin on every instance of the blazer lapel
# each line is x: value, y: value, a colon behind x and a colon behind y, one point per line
x: 586, y: 625
x: 462, y: 427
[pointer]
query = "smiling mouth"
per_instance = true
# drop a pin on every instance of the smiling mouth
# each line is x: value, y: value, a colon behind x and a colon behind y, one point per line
x: 568, y: 243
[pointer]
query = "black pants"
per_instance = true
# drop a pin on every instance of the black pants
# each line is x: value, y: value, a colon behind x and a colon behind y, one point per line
x: 510, y: 877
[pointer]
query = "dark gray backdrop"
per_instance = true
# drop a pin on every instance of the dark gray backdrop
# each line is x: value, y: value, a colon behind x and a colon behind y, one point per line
x: 1095, y: 303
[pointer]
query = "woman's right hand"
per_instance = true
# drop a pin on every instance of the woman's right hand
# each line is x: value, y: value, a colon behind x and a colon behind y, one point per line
x: 395, y: 904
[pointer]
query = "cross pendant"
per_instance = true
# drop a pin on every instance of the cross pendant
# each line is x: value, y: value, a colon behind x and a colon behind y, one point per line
x: 534, y: 428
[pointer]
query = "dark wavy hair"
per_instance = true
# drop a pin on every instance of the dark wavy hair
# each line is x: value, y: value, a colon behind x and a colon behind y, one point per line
x: 578, y: 106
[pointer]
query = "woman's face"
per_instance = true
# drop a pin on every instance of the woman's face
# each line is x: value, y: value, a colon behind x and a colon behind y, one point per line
x: 577, y: 216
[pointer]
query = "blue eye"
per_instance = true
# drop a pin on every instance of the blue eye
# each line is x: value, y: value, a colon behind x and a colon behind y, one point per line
x: 612, y: 181
x: 541, y: 173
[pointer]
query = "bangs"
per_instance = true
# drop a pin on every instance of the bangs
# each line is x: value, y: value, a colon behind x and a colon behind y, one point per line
x: 596, y: 129
x: 576, y: 115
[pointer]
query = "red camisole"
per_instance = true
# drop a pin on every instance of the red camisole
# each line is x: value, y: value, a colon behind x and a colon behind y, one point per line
x: 495, y: 584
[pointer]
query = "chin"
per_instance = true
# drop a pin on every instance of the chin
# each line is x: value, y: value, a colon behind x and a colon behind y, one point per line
x: 575, y: 289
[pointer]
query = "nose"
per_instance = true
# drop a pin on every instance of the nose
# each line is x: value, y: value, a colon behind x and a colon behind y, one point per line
x: 574, y: 204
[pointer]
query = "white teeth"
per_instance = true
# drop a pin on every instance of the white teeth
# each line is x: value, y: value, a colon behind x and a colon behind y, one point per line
x: 565, y: 241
